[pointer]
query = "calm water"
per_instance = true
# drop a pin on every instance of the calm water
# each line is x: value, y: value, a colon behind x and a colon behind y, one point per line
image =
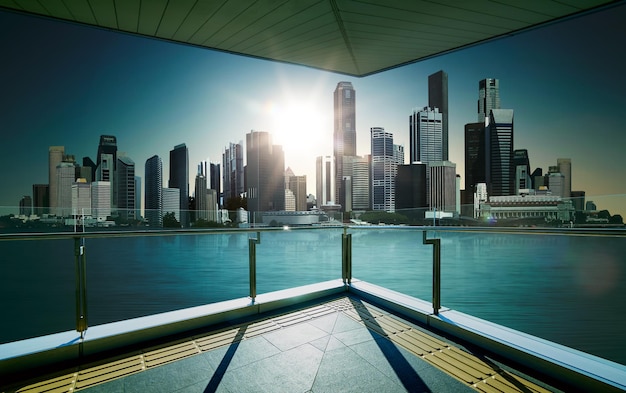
x: 568, y: 289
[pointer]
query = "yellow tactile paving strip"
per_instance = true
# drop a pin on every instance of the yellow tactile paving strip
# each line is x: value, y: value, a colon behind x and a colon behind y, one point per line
x: 461, y: 365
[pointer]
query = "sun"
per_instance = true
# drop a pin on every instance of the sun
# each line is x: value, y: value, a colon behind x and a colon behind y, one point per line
x: 303, y: 129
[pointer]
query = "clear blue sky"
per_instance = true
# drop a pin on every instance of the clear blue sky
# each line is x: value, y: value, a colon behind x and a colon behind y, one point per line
x: 65, y: 84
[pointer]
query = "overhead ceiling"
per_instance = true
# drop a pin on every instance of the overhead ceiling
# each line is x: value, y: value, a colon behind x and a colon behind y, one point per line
x: 354, y: 37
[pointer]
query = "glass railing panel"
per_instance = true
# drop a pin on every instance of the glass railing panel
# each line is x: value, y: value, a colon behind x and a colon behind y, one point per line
x: 393, y: 257
x: 37, y: 285
x: 565, y: 286
x: 294, y: 257
x: 134, y: 276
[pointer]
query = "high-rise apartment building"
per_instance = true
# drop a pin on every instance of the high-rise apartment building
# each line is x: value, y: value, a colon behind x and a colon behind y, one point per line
x: 101, y: 200
x: 265, y: 173
x: 344, y: 135
x: 475, y: 157
x: 126, y: 191
x: 488, y: 97
x: 499, y: 153
x: 325, y: 180
x: 232, y: 169
x: 179, y: 178
x: 153, y: 202
x: 55, y: 156
x: 438, y: 98
x: 565, y: 167
x: 384, y: 167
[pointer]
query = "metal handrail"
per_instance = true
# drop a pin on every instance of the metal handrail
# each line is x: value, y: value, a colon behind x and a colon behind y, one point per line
x: 252, y: 242
x: 436, y: 271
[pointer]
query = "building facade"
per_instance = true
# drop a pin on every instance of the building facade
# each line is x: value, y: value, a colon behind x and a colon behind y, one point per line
x: 55, y: 157
x: 443, y: 187
x: 384, y: 167
x: 100, y: 200
x: 265, y: 173
x: 179, y: 178
x: 438, y: 98
x: 126, y: 192
x: 153, y: 195
x: 325, y: 180
x: 344, y: 135
x: 232, y: 169
x: 499, y: 161
x: 488, y: 97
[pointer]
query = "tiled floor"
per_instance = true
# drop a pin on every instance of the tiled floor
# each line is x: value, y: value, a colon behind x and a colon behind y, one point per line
x: 332, y: 347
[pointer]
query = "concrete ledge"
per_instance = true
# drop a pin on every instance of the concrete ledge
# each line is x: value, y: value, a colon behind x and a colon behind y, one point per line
x: 19, y: 357
x: 403, y: 304
x: 575, y: 368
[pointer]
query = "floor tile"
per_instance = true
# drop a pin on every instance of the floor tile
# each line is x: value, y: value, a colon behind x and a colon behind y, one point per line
x: 240, y: 354
x: 345, y: 324
x: 294, y: 336
x: 326, y: 323
x: 170, y: 377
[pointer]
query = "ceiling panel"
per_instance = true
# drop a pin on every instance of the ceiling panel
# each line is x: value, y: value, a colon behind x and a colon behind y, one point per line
x: 355, y: 37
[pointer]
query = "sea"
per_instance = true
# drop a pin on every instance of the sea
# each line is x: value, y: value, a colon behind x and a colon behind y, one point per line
x: 566, y: 288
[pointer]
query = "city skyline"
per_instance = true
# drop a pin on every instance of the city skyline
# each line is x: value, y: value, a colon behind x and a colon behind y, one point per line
x: 74, y: 83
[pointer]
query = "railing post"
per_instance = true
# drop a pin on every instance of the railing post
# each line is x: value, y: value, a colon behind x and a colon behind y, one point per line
x: 81, y: 285
x: 252, y: 242
x: 436, y: 271
x: 346, y: 257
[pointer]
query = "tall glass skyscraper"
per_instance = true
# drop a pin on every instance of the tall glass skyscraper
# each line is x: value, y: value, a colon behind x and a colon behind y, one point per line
x: 499, y: 161
x: 55, y: 157
x: 265, y: 173
x: 179, y: 178
x: 153, y: 203
x: 125, y: 176
x: 474, y: 159
x: 438, y: 98
x: 384, y: 167
x: 426, y: 135
x: 488, y: 97
x: 232, y: 170
x: 344, y: 136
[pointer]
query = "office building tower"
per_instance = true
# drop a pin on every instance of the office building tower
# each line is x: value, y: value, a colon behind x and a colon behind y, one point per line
x: 81, y: 198
x: 578, y: 200
x: 555, y: 181
x: 201, y: 195
x: 358, y: 169
x: 107, y: 150
x: 41, y: 199
x: 179, y: 178
x: 55, y: 156
x: 344, y: 135
x: 66, y: 175
x: 474, y: 159
x: 384, y: 167
x: 171, y: 202
x: 297, y: 186
x: 126, y: 192
x: 26, y: 206
x: 521, y: 165
x: 488, y: 97
x: 325, y: 180
x: 214, y: 178
x: 537, y: 179
x: 153, y: 198
x: 101, y: 200
x: 565, y: 167
x: 265, y: 173
x: 499, y: 153
x: 411, y: 189
x: 137, y: 198
x: 426, y: 135
x: 438, y: 98
x: 88, y: 170
x: 443, y: 186
x: 232, y: 169
x: 212, y: 205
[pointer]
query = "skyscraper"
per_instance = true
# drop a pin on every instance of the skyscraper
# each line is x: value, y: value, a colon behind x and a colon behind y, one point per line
x: 26, y: 206
x: 265, y: 173
x: 81, y: 198
x: 426, y: 135
x: 442, y: 186
x: 411, y: 188
x: 232, y: 170
x: 358, y: 168
x: 475, y: 157
x: 101, y: 200
x: 438, y: 98
x: 153, y: 203
x: 125, y: 175
x: 179, y: 178
x: 297, y: 186
x: 324, y: 180
x: 384, y: 167
x: 137, y: 197
x: 499, y: 153
x: 201, y: 194
x: 565, y: 167
x: 488, y: 97
x: 344, y: 136
x: 521, y: 166
x: 66, y: 174
x: 108, y: 148
x: 55, y: 156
